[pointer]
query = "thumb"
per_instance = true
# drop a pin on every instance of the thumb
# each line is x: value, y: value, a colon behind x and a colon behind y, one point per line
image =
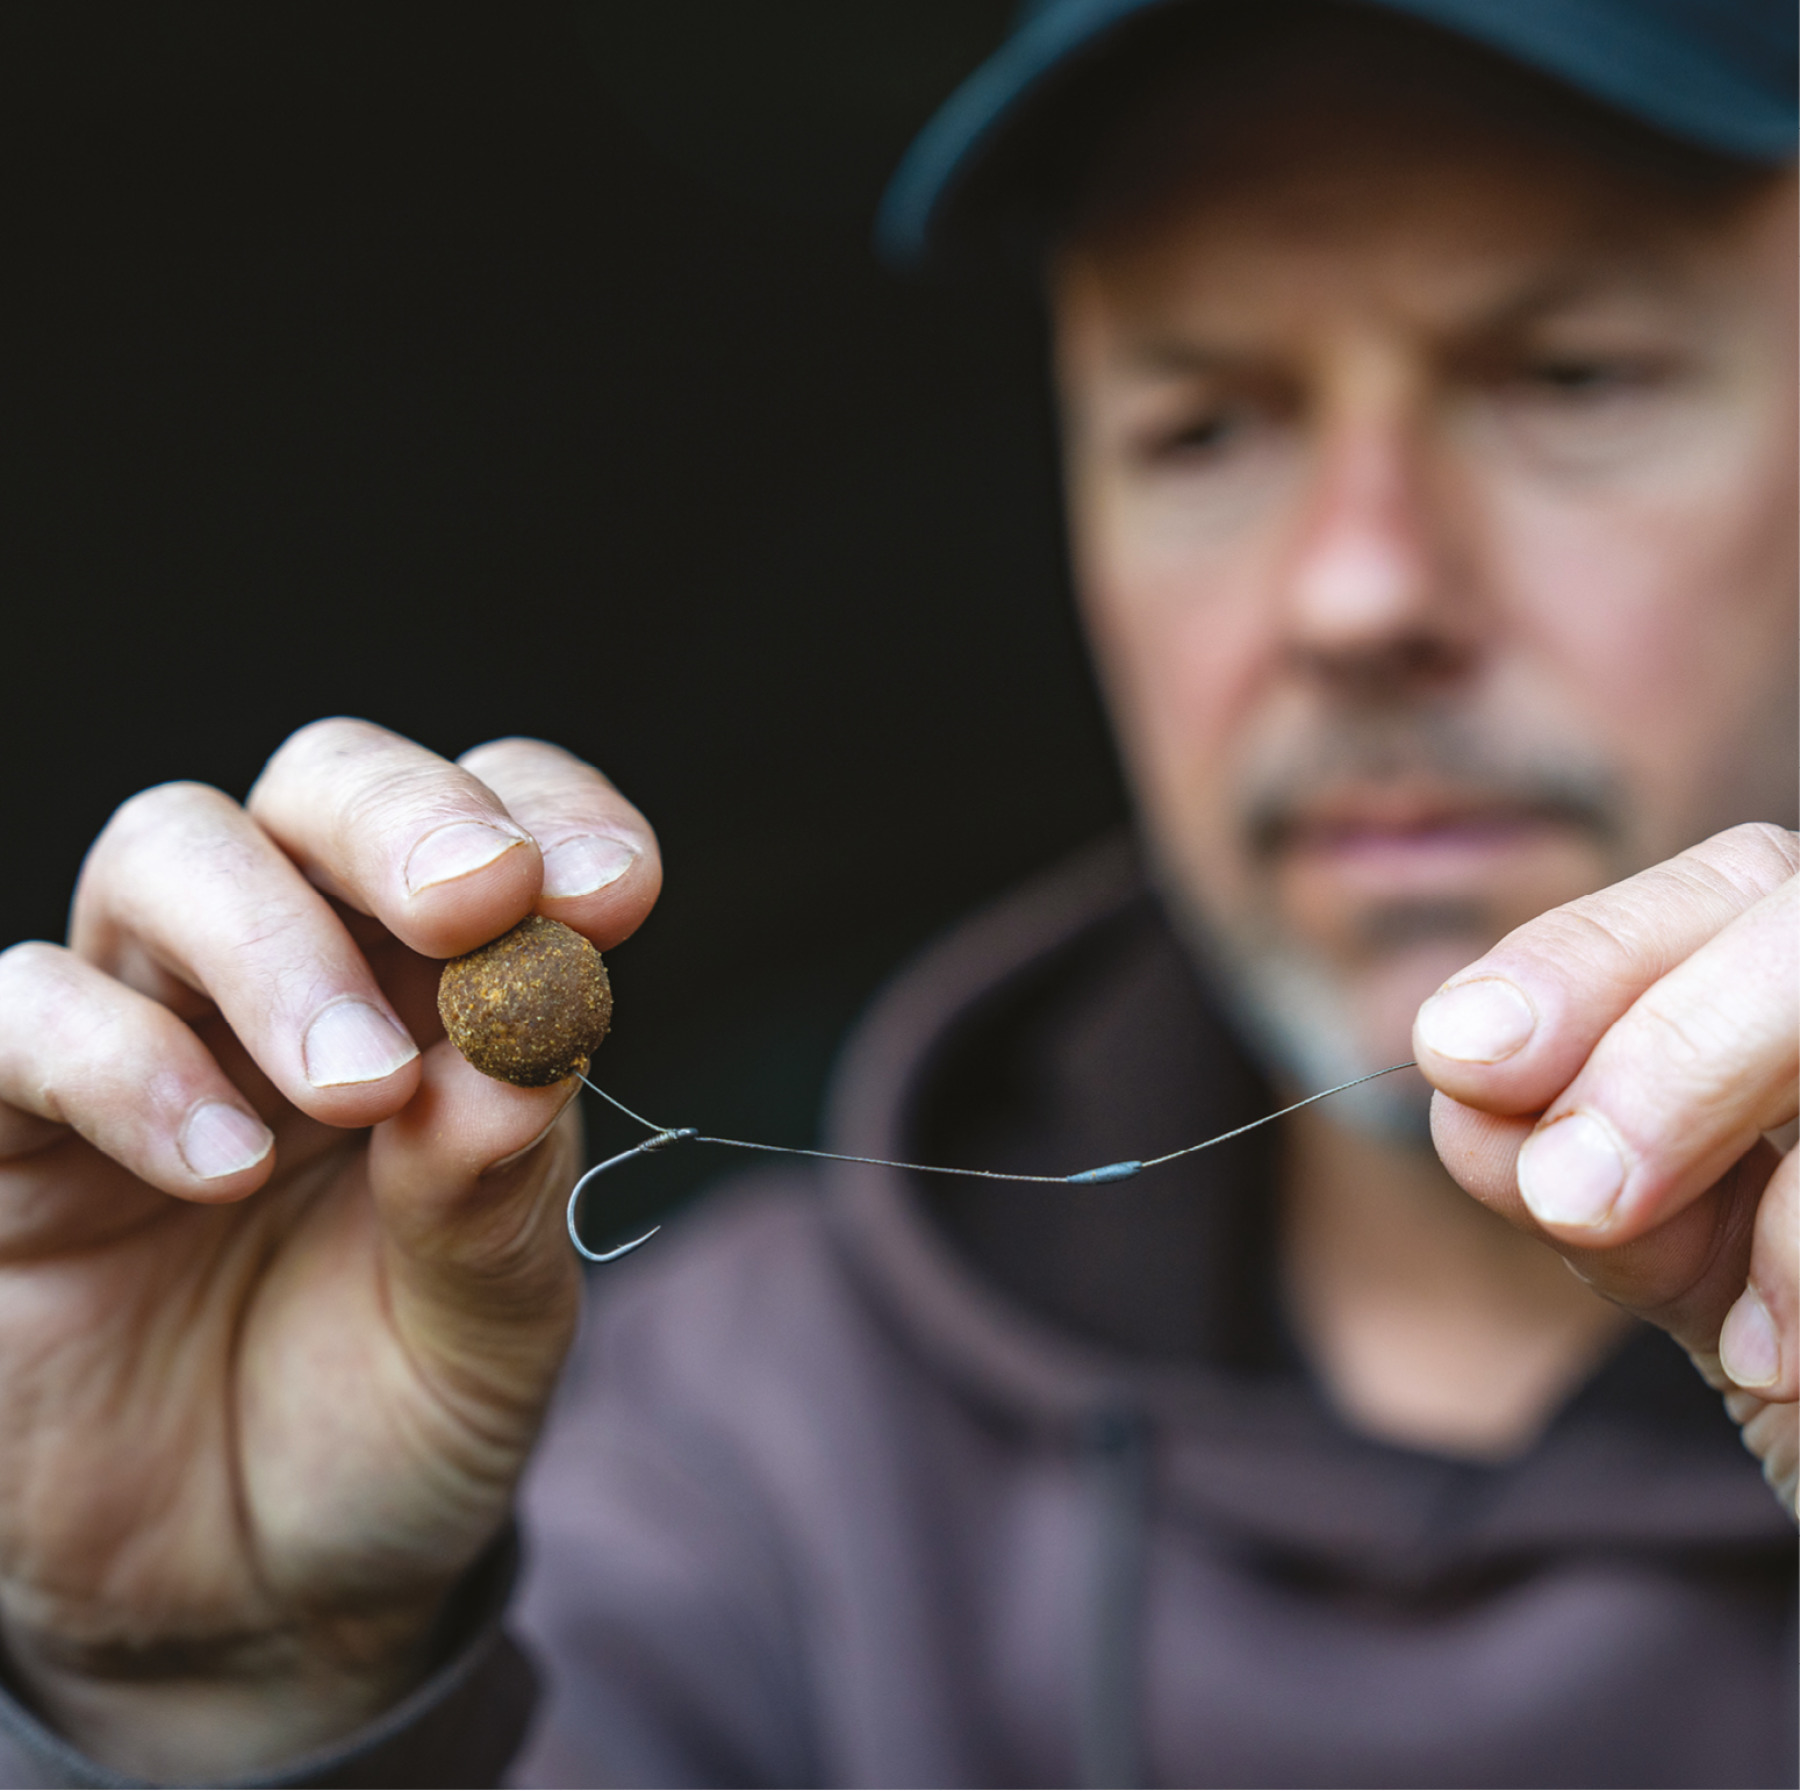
x: 469, y: 1181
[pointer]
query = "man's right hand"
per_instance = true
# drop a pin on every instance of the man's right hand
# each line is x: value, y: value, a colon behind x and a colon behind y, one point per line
x: 283, y: 1285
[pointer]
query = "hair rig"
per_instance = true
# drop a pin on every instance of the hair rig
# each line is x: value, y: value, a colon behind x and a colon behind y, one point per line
x: 1083, y: 1178
x: 531, y: 1007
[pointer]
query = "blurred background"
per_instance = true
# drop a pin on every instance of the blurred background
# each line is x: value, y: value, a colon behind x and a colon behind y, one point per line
x: 524, y: 367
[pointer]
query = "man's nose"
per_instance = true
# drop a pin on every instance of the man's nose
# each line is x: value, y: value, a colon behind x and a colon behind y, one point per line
x: 1372, y: 581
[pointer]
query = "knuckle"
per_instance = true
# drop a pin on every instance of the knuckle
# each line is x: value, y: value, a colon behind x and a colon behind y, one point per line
x: 328, y: 737
x: 1630, y: 925
x: 521, y: 769
x: 399, y: 800
x: 1588, y: 941
x: 511, y: 749
x: 360, y: 792
x: 113, y: 1062
x: 161, y: 809
x: 192, y: 822
x: 1745, y: 862
x: 329, y: 740
x: 1762, y: 842
x: 31, y: 964
x: 1649, y: 923
x: 169, y: 820
x: 59, y: 1029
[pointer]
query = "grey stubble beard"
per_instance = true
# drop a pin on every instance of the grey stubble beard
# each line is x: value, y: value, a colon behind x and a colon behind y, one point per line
x: 1297, y: 1021
x: 1292, y: 1006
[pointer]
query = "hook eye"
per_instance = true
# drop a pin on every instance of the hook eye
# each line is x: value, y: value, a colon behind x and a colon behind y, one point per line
x: 580, y: 1188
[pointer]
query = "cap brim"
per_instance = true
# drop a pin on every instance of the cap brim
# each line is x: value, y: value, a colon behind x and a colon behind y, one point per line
x: 1665, y: 72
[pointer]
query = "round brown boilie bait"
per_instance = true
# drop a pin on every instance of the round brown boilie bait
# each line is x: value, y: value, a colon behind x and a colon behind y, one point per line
x: 530, y: 1007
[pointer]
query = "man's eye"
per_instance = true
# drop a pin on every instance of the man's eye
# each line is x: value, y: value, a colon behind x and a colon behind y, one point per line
x: 1577, y: 376
x: 1196, y: 437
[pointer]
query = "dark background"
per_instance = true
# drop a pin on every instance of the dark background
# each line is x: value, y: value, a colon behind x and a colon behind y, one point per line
x: 524, y: 367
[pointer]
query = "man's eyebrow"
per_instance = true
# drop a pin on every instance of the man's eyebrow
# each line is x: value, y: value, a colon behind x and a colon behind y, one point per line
x: 1565, y: 289
x: 1544, y: 295
x: 1167, y: 355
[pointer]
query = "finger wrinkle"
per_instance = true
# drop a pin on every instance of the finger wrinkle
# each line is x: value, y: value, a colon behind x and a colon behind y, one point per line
x: 272, y: 920
x: 1673, y: 1070
x: 1653, y: 912
x: 1636, y: 937
x: 416, y: 795
x: 1770, y: 856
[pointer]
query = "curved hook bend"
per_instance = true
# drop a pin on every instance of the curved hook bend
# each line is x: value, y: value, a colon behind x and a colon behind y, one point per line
x: 624, y: 1156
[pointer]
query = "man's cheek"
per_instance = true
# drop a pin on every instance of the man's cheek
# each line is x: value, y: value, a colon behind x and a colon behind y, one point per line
x: 1176, y: 711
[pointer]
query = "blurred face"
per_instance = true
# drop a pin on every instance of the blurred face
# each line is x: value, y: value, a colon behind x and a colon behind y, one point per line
x: 1432, y: 500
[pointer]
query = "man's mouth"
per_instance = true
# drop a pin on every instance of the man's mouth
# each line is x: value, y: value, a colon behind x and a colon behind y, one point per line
x: 1419, y: 840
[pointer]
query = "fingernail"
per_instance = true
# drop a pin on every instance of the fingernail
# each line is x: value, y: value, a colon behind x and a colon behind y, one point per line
x: 588, y: 862
x: 455, y: 851
x: 220, y: 1140
x: 1749, y: 1349
x: 1482, y: 1021
x: 1571, y: 1172
x: 353, y: 1042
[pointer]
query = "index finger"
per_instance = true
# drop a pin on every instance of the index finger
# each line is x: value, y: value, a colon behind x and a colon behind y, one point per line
x: 1510, y: 1032
x: 398, y: 833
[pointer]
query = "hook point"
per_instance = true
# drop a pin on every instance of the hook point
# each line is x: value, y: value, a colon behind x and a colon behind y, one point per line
x: 609, y: 1255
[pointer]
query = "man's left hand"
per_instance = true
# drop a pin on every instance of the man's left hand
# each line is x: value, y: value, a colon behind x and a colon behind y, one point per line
x: 1609, y: 1077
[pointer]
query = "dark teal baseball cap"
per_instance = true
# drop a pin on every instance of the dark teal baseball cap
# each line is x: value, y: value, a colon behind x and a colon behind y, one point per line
x: 1718, y: 74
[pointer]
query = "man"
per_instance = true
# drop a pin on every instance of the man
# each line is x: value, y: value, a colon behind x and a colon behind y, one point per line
x: 1429, y: 428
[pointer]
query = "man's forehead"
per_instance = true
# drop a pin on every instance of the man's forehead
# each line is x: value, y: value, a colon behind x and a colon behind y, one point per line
x: 1468, y: 230
x: 1205, y: 292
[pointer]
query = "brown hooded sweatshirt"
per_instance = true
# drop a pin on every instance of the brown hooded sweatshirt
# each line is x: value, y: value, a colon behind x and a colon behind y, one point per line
x: 864, y: 1478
